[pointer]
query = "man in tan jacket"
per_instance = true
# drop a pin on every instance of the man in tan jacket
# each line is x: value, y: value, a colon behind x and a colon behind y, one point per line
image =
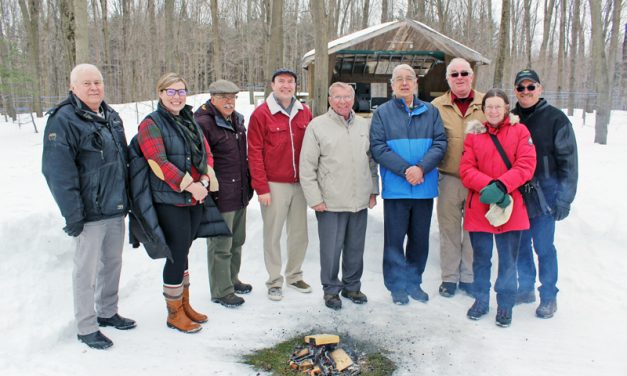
x: 457, y: 106
x: 340, y: 181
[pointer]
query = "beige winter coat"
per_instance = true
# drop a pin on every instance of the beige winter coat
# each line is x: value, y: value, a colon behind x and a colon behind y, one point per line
x: 335, y: 163
x: 454, y: 126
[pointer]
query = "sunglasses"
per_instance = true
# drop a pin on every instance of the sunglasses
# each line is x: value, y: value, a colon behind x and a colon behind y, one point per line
x: 172, y: 92
x: 521, y: 88
x: 462, y: 73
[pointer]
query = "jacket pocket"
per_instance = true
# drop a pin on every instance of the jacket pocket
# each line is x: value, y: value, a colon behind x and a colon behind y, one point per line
x: 278, y: 134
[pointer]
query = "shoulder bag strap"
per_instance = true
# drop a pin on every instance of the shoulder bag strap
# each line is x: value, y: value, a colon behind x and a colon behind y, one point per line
x: 499, y: 147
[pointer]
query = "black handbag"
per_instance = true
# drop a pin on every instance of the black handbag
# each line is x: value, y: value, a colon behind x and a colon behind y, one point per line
x: 531, y: 191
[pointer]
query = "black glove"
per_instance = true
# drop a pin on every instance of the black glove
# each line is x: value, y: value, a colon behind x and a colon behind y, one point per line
x: 74, y: 229
x: 561, y: 212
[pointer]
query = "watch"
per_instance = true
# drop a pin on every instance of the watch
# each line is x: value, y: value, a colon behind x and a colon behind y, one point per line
x: 205, y: 183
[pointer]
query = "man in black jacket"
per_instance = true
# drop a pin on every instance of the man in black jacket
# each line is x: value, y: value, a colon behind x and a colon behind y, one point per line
x: 557, y: 172
x: 85, y: 165
x: 225, y: 132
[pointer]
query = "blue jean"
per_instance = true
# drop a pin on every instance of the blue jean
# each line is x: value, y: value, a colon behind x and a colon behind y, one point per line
x: 403, y: 266
x: 507, y: 245
x: 542, y: 234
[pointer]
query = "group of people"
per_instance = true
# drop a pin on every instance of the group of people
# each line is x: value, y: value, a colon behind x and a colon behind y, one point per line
x: 190, y: 174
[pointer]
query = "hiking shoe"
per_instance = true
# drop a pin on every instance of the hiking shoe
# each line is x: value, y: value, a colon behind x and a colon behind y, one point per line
x: 96, y: 340
x: 300, y: 286
x: 332, y: 301
x: 418, y: 294
x: 526, y: 297
x: 275, y: 293
x: 229, y: 300
x: 479, y: 308
x: 447, y: 289
x: 242, y: 288
x: 503, y: 317
x: 117, y: 321
x: 467, y: 288
x: 400, y: 297
x: 547, y: 308
x: 356, y: 297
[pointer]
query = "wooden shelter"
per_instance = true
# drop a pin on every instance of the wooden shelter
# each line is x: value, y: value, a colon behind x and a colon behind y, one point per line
x: 367, y: 57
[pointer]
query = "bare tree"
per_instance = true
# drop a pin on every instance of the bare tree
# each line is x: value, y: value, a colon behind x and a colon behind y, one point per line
x: 613, y: 47
x: 82, y: 35
x: 217, y: 45
x: 30, y: 15
x: 601, y: 74
x: 321, y: 64
x: 623, y: 94
x: 385, y: 11
x: 548, y: 15
x: 365, y: 14
x: 574, y: 33
x: 561, y: 52
x: 502, y: 49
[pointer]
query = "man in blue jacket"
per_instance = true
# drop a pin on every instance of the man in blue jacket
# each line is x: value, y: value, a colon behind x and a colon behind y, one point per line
x: 85, y: 164
x: 408, y: 141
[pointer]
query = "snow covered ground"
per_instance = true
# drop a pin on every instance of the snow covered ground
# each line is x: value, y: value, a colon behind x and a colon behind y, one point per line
x: 587, y: 336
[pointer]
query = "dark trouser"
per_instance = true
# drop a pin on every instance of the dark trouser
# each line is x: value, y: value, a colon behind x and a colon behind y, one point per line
x: 507, y: 245
x: 542, y: 232
x: 403, y: 268
x: 341, y: 233
x: 179, y: 225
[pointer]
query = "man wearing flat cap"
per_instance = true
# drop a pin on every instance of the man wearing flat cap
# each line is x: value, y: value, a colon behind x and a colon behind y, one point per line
x: 276, y: 132
x: 225, y: 132
x: 556, y: 172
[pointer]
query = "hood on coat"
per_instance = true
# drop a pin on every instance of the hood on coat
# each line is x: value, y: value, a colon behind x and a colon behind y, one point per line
x: 477, y: 127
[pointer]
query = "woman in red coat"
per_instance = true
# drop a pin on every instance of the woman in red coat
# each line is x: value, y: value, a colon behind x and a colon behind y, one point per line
x: 493, y: 188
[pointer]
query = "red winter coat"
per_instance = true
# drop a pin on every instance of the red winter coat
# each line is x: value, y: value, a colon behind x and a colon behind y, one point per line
x: 274, y: 143
x: 481, y: 163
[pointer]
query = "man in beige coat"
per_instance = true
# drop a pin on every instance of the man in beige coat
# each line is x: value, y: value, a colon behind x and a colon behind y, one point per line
x: 340, y: 180
x: 457, y: 106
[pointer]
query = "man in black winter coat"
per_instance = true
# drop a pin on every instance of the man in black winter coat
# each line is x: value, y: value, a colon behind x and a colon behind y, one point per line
x: 225, y: 132
x: 85, y: 164
x: 557, y: 173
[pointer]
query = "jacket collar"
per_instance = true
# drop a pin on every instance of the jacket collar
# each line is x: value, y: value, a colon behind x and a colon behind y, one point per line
x: 448, y: 98
x: 211, y: 110
x: 419, y: 106
x: 275, y: 107
x: 335, y: 116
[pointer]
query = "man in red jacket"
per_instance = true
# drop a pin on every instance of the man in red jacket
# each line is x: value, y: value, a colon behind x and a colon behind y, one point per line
x: 275, y: 137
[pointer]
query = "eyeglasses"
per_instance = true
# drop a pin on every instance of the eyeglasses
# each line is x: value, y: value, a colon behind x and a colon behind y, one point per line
x: 521, y: 88
x: 229, y: 97
x: 172, y: 92
x: 342, y: 97
x: 462, y: 73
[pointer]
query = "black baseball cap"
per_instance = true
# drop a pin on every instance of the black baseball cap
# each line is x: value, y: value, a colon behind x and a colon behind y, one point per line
x: 527, y: 74
x: 284, y: 71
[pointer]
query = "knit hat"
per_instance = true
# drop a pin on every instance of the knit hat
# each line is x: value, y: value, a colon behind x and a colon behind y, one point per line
x: 223, y: 87
x: 527, y: 74
x: 498, y: 216
x: 284, y: 71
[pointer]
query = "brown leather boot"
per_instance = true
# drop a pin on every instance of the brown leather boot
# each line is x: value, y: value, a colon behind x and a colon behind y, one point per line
x: 177, y: 319
x: 189, y: 311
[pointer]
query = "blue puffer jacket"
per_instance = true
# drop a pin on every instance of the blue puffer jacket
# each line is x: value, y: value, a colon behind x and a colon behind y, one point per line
x: 85, y: 161
x: 399, y: 139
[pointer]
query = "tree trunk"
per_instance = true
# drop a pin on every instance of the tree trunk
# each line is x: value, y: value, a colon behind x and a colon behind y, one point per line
x: 561, y: 53
x: 66, y: 9
x: 613, y: 65
x: 217, y: 45
x: 30, y: 15
x: 168, y: 10
x: 365, y: 14
x: 385, y: 16
x: 321, y: 64
x: 82, y: 34
x: 548, y: 14
x: 527, y: 31
x: 274, y: 54
x: 154, y: 52
x: 502, y: 45
x: 574, y: 33
x: 601, y: 74
x: 624, y: 85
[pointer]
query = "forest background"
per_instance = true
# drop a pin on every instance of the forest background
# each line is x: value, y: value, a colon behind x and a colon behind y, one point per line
x: 578, y: 47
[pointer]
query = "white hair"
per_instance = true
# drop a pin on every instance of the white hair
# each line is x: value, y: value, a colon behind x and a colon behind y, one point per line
x: 341, y: 85
x: 458, y: 60
x: 80, y: 68
x: 401, y: 67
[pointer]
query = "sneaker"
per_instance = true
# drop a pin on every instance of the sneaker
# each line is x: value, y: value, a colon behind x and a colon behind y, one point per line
x: 547, y: 308
x: 503, y: 317
x: 332, y: 301
x: 242, y: 288
x: 467, y: 288
x: 230, y: 300
x: 300, y: 286
x: 447, y: 289
x: 479, y: 309
x: 275, y: 293
x: 96, y: 340
x: 400, y: 297
x: 356, y: 297
x: 526, y: 297
x: 117, y: 321
x: 418, y: 294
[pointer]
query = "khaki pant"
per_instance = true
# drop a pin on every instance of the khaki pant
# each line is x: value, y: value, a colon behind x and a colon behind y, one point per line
x: 224, y: 255
x: 455, y: 247
x: 288, y: 208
